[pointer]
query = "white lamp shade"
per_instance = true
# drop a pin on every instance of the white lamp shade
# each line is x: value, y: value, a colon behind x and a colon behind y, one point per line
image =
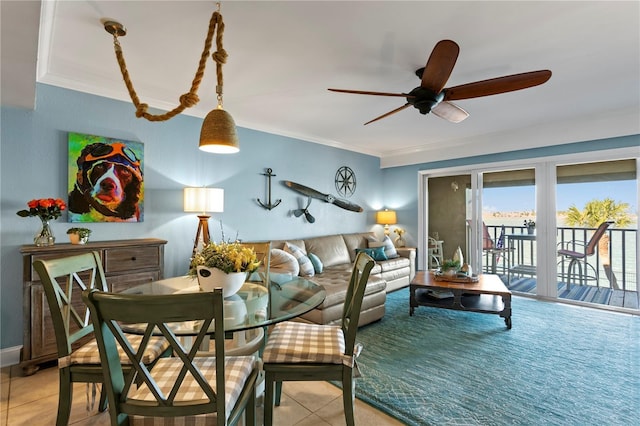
x: 202, y: 200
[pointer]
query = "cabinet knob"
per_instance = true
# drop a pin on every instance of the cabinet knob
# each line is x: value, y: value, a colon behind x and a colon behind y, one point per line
x: 133, y: 258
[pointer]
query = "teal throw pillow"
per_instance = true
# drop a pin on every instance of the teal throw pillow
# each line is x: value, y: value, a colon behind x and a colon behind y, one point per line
x: 389, y: 249
x: 376, y: 253
x: 316, y: 262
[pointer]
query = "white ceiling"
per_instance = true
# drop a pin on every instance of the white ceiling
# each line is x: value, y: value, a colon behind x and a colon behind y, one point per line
x: 284, y: 55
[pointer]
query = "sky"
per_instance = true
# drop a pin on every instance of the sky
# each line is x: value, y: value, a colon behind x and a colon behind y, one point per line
x: 522, y: 198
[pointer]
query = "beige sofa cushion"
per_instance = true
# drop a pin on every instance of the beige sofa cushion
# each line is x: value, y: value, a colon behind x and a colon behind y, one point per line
x: 354, y: 241
x: 331, y: 250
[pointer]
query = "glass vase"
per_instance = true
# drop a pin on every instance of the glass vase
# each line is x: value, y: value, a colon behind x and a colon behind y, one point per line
x: 44, y: 237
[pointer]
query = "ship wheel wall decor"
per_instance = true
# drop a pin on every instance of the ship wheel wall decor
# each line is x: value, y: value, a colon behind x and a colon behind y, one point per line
x: 345, y: 181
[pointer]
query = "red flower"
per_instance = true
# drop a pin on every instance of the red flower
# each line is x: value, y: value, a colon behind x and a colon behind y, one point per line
x: 44, y: 208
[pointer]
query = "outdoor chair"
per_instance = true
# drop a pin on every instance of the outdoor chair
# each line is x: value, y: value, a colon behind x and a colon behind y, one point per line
x: 78, y: 357
x: 493, y: 249
x: 297, y: 351
x: 577, y: 258
x: 436, y: 256
x: 185, y: 388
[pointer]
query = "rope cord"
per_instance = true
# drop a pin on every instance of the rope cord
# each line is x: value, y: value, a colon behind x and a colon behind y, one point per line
x: 190, y: 98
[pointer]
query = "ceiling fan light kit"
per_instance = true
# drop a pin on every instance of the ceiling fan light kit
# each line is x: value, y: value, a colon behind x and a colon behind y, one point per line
x: 432, y: 96
x: 218, y: 133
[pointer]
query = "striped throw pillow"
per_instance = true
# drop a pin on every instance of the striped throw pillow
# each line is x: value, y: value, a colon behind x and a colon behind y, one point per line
x: 306, y: 267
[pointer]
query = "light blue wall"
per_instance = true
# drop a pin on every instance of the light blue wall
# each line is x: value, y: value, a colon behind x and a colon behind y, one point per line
x: 33, y: 159
x: 34, y: 165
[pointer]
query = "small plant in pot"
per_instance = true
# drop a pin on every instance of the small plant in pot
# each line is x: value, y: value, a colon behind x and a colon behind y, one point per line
x: 223, y: 265
x: 79, y: 235
x: 530, y: 225
x: 450, y: 267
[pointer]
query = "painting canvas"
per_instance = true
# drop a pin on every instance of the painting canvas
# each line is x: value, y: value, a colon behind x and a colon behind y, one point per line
x: 106, y: 182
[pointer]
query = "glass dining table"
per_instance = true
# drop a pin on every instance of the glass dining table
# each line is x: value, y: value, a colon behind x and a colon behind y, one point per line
x: 253, y: 306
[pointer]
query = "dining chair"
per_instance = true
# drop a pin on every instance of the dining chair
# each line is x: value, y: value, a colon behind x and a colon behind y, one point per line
x: 78, y: 357
x: 263, y: 253
x: 298, y: 351
x: 185, y: 388
x: 577, y: 258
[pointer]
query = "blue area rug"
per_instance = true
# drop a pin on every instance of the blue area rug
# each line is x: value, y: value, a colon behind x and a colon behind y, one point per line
x: 558, y: 365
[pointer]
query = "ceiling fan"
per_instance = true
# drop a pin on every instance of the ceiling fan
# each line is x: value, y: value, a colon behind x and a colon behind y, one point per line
x: 432, y: 96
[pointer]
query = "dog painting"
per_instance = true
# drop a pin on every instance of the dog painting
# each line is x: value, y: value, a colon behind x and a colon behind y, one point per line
x: 105, y: 179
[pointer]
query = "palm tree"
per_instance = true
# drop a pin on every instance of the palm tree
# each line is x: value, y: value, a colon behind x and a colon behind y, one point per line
x: 591, y: 216
x: 597, y: 211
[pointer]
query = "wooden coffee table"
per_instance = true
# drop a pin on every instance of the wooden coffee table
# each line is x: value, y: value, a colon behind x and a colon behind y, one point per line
x: 489, y: 295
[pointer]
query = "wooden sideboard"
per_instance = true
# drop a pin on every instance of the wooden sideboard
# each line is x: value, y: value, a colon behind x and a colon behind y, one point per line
x: 126, y: 263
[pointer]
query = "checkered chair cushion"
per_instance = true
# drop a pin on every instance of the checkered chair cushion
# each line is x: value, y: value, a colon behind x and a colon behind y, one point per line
x: 295, y: 342
x: 165, y: 372
x: 88, y: 353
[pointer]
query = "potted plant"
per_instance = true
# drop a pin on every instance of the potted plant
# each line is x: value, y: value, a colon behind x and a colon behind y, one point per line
x: 530, y: 225
x: 223, y: 265
x: 78, y: 235
x: 450, y: 267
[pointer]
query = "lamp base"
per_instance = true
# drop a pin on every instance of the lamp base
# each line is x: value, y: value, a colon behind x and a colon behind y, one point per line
x: 202, y: 235
x: 387, y: 230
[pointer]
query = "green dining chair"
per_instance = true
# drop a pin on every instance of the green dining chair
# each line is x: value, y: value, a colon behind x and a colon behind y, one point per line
x: 78, y: 357
x: 298, y: 351
x: 185, y: 388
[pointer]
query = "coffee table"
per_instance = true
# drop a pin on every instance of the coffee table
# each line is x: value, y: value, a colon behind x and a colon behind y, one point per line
x: 488, y: 295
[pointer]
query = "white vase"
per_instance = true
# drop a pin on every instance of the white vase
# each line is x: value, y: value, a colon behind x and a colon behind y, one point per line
x: 457, y: 255
x: 210, y: 278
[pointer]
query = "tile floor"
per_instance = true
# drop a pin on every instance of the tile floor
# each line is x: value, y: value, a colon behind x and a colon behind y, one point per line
x: 33, y: 400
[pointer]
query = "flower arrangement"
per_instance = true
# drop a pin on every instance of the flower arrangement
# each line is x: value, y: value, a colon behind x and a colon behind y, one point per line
x: 529, y: 223
x: 44, y: 208
x: 399, y: 231
x: 228, y: 257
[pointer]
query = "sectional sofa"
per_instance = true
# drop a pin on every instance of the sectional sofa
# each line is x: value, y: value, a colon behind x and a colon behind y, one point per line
x: 331, y: 258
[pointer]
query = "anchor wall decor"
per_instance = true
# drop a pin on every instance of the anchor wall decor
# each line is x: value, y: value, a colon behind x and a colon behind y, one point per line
x: 269, y: 205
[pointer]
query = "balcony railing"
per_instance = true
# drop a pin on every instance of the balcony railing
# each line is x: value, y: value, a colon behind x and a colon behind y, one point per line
x: 618, y: 272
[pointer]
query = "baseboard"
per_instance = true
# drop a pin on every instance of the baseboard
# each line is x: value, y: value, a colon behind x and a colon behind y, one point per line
x: 10, y: 356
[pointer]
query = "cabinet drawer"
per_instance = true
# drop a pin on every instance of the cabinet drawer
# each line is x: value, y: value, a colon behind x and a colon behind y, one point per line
x: 131, y: 259
x: 48, y: 256
x: 118, y: 283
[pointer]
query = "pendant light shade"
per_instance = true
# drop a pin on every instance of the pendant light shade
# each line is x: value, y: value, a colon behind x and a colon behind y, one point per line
x: 218, y: 134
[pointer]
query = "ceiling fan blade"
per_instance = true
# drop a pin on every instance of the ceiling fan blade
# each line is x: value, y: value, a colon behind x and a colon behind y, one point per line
x: 298, y: 213
x: 389, y: 113
x: 497, y: 85
x: 450, y: 112
x: 363, y: 92
x: 347, y: 205
x: 310, y: 218
x: 440, y: 65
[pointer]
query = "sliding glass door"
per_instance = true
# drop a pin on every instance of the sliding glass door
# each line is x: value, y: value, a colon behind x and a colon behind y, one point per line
x: 596, y: 265
x: 488, y: 210
x: 508, y: 220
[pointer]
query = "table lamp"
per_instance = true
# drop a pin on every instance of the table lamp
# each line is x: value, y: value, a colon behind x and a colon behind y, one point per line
x: 386, y: 217
x: 203, y: 200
